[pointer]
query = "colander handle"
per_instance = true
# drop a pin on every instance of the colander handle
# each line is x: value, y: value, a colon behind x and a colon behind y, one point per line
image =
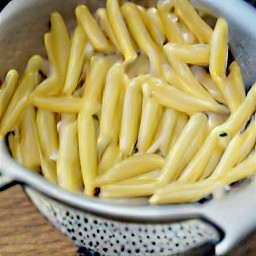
x: 234, y: 214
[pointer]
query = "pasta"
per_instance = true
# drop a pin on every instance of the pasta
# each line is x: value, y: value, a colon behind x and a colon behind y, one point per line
x: 135, y: 102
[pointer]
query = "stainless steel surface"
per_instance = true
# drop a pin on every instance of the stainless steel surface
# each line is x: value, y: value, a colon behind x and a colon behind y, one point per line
x: 22, y: 24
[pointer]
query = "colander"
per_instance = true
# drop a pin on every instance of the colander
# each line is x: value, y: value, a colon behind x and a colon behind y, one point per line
x: 131, y: 227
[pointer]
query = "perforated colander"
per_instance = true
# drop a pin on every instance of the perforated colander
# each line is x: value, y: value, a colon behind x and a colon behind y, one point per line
x: 131, y: 227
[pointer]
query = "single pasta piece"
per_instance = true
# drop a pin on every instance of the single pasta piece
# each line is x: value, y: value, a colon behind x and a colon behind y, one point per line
x: 127, y: 190
x: 101, y: 15
x: 111, y: 95
x: 51, y: 85
x: 205, y: 79
x: 165, y: 132
x: 76, y: 60
x: 29, y: 142
x: 197, y: 54
x: 110, y: 157
x: 95, y: 82
x: 131, y: 116
x: 60, y: 45
x: 141, y: 36
x: 68, y: 104
x: 185, y: 193
x: 48, y: 135
x: 8, y: 89
x: 120, y: 30
x: 196, y: 123
x: 235, y: 81
x: 175, y: 99
x: 219, y: 51
x: 130, y: 167
x: 193, y: 21
x: 93, y: 31
x: 233, y: 153
x: 149, y: 120
x: 155, y: 27
x: 68, y: 163
x: 169, y: 21
x: 87, y: 150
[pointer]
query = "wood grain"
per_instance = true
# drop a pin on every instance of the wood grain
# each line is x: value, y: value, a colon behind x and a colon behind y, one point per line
x: 24, y: 231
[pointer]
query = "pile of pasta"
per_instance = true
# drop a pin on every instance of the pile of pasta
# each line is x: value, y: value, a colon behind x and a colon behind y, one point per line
x: 135, y: 102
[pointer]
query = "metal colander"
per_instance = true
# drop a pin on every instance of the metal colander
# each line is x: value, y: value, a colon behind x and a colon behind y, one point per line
x: 133, y: 227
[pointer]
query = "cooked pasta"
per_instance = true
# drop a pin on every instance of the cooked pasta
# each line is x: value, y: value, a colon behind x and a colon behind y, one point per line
x: 135, y: 102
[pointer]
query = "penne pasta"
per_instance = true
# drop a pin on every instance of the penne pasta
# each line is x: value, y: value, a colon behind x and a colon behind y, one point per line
x: 141, y: 36
x: 130, y: 167
x: 169, y: 21
x: 87, y: 150
x: 197, y: 54
x: 76, y: 60
x: 165, y: 133
x: 131, y: 117
x: 7, y: 90
x: 29, y: 142
x: 193, y: 21
x: 120, y: 30
x: 149, y: 120
x: 68, y: 164
x: 93, y: 31
x: 110, y: 157
x: 110, y: 101
x: 194, y: 125
x: 68, y: 105
x: 48, y: 135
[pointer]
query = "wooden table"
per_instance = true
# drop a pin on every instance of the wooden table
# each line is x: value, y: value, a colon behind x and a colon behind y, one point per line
x: 23, y: 230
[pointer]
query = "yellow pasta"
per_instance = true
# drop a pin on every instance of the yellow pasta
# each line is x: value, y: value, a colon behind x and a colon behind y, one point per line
x: 131, y: 116
x: 135, y: 102
x: 165, y: 133
x: 92, y: 30
x: 76, y: 60
x: 8, y: 89
x: 193, y: 21
x: 110, y: 101
x: 194, y: 125
x: 95, y: 81
x: 141, y: 35
x: 198, y: 54
x: 87, y: 150
x: 206, y: 80
x: 68, y: 164
x: 17, y: 103
x: 101, y: 14
x: 111, y: 156
x: 29, y: 143
x: 149, y: 120
x: 155, y: 26
x: 120, y: 30
x: 47, y: 132
x: 173, y: 98
x: 130, y: 167
x: 69, y: 104
x: 232, y: 153
x: 169, y: 21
